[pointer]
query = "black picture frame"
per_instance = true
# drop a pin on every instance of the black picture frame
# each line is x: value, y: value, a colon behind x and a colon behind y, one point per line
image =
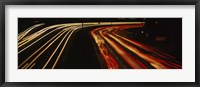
x: 98, y: 2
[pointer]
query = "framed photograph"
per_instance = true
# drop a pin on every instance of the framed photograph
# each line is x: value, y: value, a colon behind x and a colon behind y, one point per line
x: 86, y: 43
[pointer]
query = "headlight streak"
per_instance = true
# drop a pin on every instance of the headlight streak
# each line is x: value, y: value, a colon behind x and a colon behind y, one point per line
x: 107, y: 38
x: 54, y: 65
x: 23, y: 34
x: 56, y: 49
x: 42, y: 47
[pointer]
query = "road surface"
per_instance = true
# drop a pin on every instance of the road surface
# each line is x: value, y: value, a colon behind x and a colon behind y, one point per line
x: 92, y: 46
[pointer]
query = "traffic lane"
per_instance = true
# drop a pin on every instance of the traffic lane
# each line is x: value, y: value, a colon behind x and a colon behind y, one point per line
x: 24, y: 63
x: 31, y: 39
x: 142, y: 45
x: 154, y: 63
x: 61, y: 52
x: 43, y: 50
x: 80, y: 54
x: 35, y: 48
x: 133, y: 62
x: 56, y: 50
x: 155, y: 53
x: 105, y: 54
x: 108, y: 55
x: 129, y: 59
x: 38, y: 56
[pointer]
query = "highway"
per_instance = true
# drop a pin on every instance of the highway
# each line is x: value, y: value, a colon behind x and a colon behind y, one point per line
x: 92, y: 46
x: 144, y: 55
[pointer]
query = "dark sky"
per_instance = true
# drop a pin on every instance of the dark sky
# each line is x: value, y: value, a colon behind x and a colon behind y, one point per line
x: 24, y: 23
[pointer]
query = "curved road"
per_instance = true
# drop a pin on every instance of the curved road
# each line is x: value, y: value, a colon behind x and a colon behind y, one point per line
x: 95, y: 46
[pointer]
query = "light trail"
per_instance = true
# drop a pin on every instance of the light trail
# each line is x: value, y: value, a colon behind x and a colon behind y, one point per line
x: 59, y: 26
x: 145, y: 47
x: 42, y: 47
x: 31, y: 37
x: 41, y: 38
x: 23, y: 34
x: 147, y: 57
x: 45, y: 48
x: 62, y: 49
x: 35, y: 35
x: 56, y: 50
x: 98, y: 40
x: 25, y: 66
x: 110, y: 61
x: 117, y: 51
x: 32, y: 66
x: 108, y: 32
x: 134, y: 63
